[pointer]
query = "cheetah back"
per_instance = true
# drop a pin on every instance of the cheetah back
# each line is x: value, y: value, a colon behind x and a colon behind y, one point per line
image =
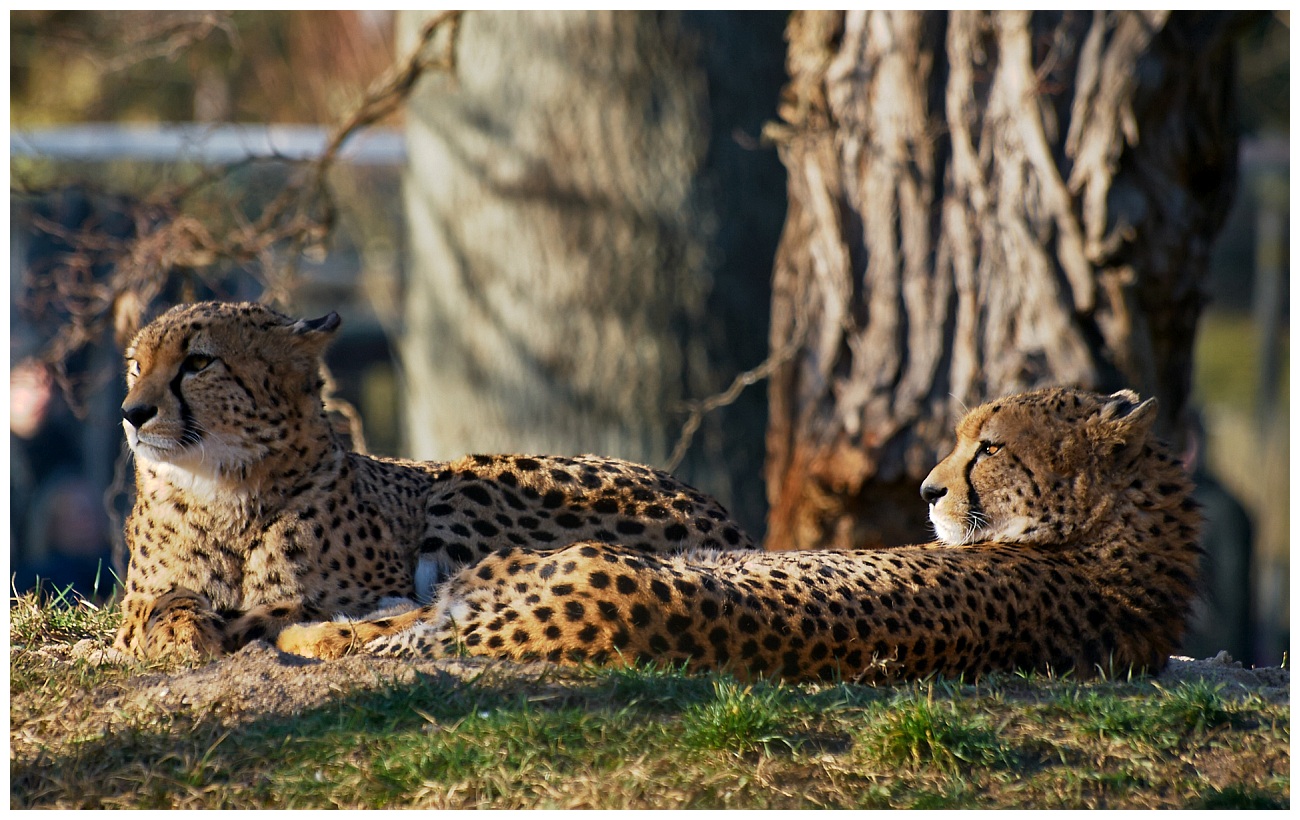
x: 483, y: 503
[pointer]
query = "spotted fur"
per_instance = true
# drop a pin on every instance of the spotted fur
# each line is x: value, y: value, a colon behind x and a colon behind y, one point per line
x: 250, y: 514
x: 1067, y: 542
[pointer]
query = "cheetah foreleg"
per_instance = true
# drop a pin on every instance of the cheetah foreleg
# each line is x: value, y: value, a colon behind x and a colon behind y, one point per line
x: 262, y: 622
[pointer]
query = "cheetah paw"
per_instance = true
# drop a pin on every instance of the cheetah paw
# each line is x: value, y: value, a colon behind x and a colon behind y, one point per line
x: 326, y: 641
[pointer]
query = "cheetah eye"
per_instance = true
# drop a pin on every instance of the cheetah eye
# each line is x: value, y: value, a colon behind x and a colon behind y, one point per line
x: 132, y: 368
x: 195, y: 362
x: 988, y: 448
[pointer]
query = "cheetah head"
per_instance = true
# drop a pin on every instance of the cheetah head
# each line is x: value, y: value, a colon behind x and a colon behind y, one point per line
x: 1038, y: 467
x: 214, y: 387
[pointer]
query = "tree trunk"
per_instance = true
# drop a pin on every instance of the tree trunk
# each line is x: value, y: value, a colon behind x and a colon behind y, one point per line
x: 980, y: 203
x: 590, y: 244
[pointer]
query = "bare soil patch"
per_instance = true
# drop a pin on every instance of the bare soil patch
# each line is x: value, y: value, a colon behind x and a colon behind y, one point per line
x: 260, y: 680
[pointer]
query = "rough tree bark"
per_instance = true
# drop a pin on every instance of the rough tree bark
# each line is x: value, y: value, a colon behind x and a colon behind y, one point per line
x: 980, y: 203
x: 591, y: 245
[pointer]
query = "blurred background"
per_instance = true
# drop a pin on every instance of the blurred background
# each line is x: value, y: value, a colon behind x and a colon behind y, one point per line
x: 123, y: 121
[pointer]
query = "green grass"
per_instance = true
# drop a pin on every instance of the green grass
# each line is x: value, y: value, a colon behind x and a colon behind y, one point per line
x: 1183, y: 711
x: 58, y: 616
x: 918, y: 732
x: 738, y: 719
x: 506, y: 737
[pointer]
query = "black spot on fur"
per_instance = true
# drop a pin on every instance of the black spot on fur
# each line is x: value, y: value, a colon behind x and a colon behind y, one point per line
x: 661, y: 590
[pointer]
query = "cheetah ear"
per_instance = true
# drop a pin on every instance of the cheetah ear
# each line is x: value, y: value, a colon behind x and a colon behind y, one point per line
x: 1121, y: 403
x: 323, y: 327
x: 1125, y: 421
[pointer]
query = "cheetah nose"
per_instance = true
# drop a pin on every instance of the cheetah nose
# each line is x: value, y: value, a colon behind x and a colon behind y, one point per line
x: 138, y: 414
x: 932, y: 493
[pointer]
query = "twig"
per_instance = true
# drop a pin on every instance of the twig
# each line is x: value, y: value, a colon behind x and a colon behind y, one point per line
x: 701, y: 407
x: 166, y: 239
x: 171, y: 38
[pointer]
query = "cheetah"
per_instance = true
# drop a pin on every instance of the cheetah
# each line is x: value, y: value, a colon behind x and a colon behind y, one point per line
x: 1067, y: 541
x: 250, y: 514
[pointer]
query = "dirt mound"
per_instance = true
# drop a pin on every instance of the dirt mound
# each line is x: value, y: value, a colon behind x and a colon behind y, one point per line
x: 1272, y: 682
x: 261, y: 680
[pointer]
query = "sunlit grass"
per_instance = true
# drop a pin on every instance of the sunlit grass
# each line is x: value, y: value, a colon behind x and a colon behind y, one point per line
x: 919, y: 731
x: 626, y: 738
x: 737, y: 719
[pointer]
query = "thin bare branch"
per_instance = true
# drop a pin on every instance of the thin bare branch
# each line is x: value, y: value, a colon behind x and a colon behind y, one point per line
x: 702, y: 407
x: 168, y: 238
x: 168, y: 37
